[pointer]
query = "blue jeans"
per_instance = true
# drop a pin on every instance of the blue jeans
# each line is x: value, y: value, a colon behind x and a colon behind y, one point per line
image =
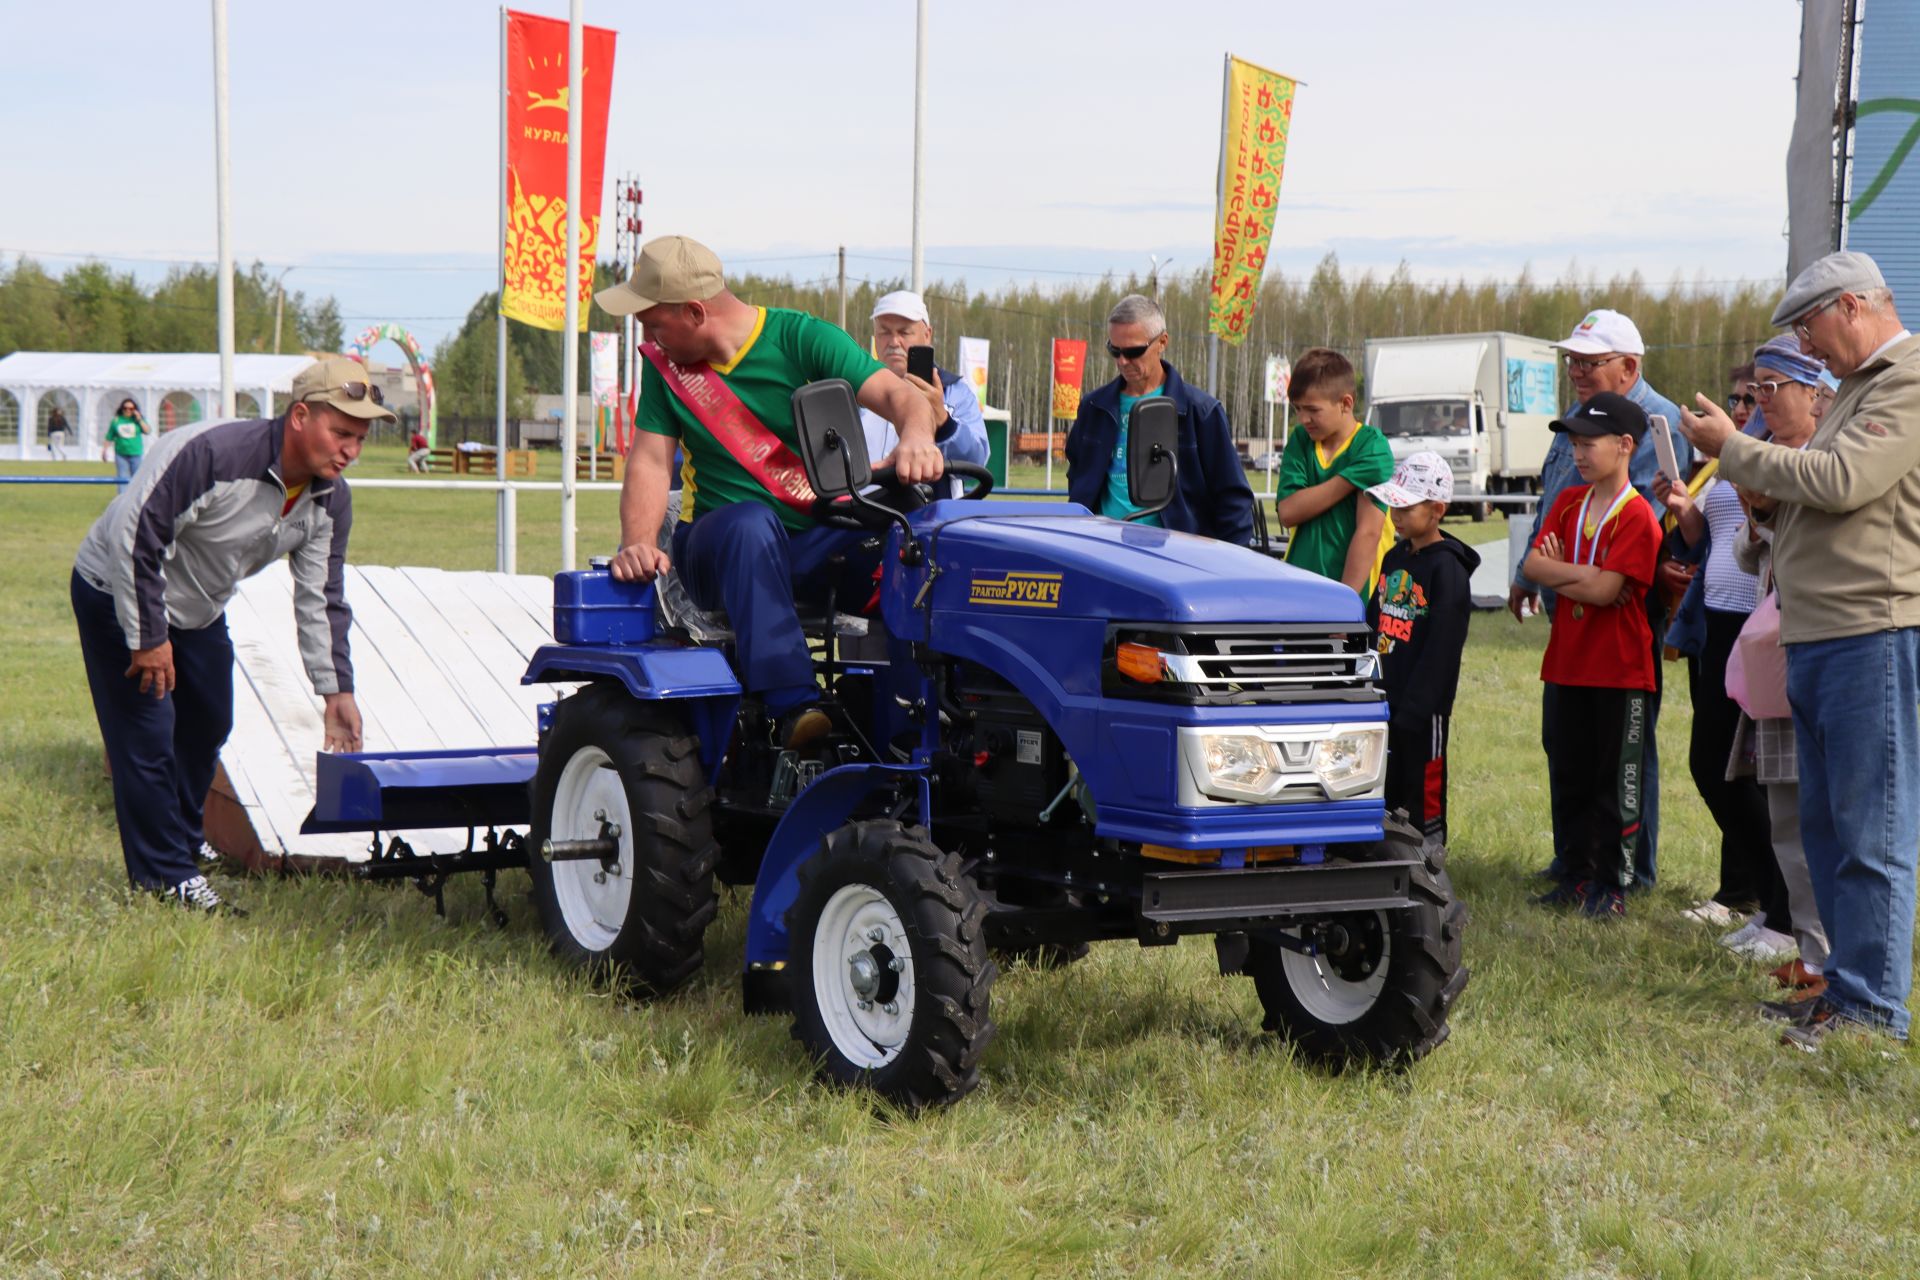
x: 124, y: 465
x: 741, y: 558
x: 1856, y: 721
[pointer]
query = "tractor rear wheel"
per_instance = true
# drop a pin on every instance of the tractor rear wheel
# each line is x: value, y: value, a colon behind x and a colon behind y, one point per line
x: 1368, y: 987
x: 889, y: 965
x: 611, y: 760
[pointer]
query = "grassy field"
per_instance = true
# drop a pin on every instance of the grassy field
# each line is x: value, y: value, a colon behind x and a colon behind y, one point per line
x: 344, y: 1085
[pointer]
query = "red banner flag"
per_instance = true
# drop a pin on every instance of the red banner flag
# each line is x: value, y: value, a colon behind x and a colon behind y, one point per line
x: 1069, y: 373
x: 536, y: 248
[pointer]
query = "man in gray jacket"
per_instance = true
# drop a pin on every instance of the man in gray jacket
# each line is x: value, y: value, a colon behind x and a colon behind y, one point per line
x: 1846, y: 558
x: 214, y: 504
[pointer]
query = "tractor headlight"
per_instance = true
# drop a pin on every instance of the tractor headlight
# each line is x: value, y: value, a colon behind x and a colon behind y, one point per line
x: 1350, y: 763
x: 1240, y: 765
x: 1276, y: 764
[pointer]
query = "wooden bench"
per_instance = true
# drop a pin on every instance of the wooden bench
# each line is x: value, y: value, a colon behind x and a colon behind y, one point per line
x: 605, y: 466
x: 446, y: 459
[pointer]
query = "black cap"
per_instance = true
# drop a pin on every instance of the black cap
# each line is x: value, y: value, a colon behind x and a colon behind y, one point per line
x: 1606, y: 414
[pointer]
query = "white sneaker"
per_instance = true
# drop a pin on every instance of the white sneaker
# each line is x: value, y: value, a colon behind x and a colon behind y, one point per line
x: 1769, y: 946
x: 199, y: 895
x: 1717, y: 914
x: 1744, y: 934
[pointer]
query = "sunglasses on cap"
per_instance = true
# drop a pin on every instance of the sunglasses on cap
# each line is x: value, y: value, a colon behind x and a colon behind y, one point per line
x: 1735, y: 401
x: 1130, y: 353
x: 352, y: 391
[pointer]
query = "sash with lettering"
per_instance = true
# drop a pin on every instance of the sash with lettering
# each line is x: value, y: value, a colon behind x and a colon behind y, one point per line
x: 743, y: 436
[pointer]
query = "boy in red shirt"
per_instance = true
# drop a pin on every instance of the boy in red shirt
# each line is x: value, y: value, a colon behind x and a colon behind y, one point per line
x: 1596, y: 550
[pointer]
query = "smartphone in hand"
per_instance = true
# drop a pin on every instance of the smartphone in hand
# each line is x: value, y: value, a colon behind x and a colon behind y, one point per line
x: 1663, y: 448
x: 920, y: 363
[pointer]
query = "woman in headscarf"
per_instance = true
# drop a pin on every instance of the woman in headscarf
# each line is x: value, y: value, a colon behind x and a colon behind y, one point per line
x: 1791, y: 391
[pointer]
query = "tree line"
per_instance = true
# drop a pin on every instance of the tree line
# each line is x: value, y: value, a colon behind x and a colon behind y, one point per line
x: 93, y: 307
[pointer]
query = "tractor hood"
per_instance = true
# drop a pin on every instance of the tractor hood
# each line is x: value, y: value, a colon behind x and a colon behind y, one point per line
x: 1039, y: 559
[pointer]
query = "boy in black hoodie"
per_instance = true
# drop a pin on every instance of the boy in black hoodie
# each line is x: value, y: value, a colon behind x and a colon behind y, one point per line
x: 1420, y: 612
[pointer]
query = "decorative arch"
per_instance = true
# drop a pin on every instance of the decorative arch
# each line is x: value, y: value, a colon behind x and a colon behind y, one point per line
x: 372, y: 336
x: 9, y: 417
x: 68, y: 404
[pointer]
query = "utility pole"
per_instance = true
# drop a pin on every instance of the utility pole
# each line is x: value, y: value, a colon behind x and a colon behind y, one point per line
x: 843, y: 286
x: 919, y: 141
x: 279, y: 306
x: 224, y: 201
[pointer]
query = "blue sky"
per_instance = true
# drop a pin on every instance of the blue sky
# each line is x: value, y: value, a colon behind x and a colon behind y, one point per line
x: 1467, y: 138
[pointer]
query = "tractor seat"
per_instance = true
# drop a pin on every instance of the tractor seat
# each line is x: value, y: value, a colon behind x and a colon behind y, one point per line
x: 677, y: 614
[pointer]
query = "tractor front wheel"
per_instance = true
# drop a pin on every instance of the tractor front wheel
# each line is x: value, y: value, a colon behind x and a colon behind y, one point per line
x: 889, y: 965
x: 1368, y: 987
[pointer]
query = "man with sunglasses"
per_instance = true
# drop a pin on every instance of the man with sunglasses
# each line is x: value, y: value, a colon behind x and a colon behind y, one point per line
x: 1604, y: 353
x: 211, y: 505
x: 1846, y: 558
x: 1213, y: 497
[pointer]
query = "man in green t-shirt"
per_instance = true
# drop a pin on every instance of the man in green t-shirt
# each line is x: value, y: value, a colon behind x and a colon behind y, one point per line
x: 1339, y: 529
x: 745, y: 542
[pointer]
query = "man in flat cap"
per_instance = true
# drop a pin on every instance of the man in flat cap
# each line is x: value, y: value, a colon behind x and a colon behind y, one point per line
x: 900, y: 322
x: 214, y: 504
x: 1846, y: 555
x: 718, y: 378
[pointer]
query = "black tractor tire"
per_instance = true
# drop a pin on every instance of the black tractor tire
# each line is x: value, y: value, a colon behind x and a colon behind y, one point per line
x: 642, y: 927
x: 884, y: 896
x: 1343, y: 1010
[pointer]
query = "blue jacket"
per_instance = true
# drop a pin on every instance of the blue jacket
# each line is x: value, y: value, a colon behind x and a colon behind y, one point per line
x: 1213, y: 497
x: 1557, y: 473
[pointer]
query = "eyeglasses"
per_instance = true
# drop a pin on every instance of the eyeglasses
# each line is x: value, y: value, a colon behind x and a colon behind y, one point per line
x: 1768, y: 388
x: 1130, y: 353
x: 1734, y: 402
x: 352, y: 391
x: 1801, y: 326
x: 1587, y: 364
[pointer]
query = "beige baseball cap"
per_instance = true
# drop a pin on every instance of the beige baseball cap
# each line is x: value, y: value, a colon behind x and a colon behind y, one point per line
x: 670, y: 269
x: 341, y: 382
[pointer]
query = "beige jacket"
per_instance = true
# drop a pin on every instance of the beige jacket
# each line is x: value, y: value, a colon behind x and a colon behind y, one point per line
x: 1846, y: 545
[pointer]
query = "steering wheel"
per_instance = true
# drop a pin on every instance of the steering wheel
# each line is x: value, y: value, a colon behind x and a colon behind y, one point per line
x: 894, y: 497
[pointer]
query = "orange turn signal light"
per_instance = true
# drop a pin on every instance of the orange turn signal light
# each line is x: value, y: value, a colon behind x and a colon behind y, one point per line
x: 1140, y: 662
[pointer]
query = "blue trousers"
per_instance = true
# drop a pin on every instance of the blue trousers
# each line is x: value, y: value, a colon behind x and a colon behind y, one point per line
x: 162, y: 750
x: 741, y: 558
x: 1856, y: 725
x: 124, y: 467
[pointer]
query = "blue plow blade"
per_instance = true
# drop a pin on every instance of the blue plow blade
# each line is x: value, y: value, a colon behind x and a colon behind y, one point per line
x: 406, y: 790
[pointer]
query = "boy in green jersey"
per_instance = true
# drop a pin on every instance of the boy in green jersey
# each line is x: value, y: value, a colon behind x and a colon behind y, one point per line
x: 1339, y: 529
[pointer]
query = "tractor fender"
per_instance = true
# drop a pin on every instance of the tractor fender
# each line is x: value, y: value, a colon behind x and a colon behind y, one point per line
x: 822, y: 807
x: 697, y: 679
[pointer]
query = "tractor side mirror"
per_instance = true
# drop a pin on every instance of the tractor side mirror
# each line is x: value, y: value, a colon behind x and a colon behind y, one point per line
x: 833, y: 446
x: 1153, y: 441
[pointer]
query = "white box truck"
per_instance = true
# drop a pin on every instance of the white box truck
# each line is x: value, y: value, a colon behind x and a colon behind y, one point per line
x: 1482, y: 401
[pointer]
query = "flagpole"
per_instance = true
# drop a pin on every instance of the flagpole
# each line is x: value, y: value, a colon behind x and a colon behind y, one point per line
x: 1051, y: 366
x: 570, y: 352
x: 506, y: 543
x: 224, y: 208
x: 1219, y: 208
x: 919, y: 141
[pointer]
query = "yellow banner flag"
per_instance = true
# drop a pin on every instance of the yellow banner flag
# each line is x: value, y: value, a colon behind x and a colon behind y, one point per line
x: 1253, y: 154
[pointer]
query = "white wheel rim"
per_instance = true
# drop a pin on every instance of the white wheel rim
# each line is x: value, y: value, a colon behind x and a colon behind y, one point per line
x: 1324, y: 993
x: 593, y: 900
x: 857, y: 945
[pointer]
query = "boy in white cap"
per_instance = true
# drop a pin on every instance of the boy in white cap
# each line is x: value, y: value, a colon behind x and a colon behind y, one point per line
x: 1420, y: 618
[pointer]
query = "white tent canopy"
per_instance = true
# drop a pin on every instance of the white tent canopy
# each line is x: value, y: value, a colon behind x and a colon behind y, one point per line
x: 89, y: 385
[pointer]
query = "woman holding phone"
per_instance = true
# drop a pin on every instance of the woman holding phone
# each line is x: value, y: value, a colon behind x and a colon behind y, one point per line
x: 127, y: 440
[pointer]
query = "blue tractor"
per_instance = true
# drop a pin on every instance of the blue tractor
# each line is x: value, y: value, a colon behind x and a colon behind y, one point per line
x: 1054, y: 729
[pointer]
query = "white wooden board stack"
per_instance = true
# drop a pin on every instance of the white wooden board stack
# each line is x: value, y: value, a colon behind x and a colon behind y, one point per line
x: 437, y: 658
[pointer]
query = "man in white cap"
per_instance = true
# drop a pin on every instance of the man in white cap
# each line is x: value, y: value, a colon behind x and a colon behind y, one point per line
x: 900, y: 321
x: 718, y: 378
x: 1604, y: 353
x: 211, y: 505
x: 1846, y: 558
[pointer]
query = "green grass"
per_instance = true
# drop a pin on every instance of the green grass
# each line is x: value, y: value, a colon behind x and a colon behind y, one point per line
x: 344, y: 1085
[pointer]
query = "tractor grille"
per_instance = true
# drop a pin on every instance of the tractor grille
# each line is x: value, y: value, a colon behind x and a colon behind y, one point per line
x: 1240, y: 664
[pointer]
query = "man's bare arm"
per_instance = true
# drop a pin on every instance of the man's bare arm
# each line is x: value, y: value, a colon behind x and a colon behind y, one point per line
x: 916, y: 459
x: 643, y: 506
